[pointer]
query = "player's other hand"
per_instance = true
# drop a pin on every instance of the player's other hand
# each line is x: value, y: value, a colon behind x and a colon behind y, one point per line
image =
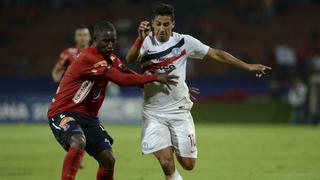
x: 144, y: 29
x: 258, y: 69
x: 193, y: 91
x: 167, y: 79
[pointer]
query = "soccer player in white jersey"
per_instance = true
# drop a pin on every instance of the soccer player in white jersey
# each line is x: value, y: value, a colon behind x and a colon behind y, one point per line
x: 167, y: 125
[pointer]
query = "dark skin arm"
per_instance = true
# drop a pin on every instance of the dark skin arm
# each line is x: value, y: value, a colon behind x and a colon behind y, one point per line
x: 136, y: 79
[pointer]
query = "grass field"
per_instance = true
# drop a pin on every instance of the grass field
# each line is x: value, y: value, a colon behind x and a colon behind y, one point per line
x: 226, y: 152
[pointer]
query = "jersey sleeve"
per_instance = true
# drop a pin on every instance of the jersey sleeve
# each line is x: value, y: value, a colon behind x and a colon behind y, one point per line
x: 142, y: 50
x: 62, y: 60
x: 144, y: 47
x: 116, y: 73
x: 195, y: 48
x: 127, y: 79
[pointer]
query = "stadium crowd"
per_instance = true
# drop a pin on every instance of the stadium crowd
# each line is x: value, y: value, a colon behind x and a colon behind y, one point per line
x: 32, y: 33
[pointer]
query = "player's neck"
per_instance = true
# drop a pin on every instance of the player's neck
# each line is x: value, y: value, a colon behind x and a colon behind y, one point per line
x: 161, y: 42
x: 82, y: 47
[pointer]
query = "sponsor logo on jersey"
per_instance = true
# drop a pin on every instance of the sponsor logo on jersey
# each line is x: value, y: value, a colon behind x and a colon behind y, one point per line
x: 83, y: 91
x: 168, y: 68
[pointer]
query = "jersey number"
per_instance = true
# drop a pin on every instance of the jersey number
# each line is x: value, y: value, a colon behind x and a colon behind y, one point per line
x: 192, y: 140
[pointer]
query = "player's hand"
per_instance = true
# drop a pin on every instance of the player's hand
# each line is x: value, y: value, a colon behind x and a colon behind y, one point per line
x: 167, y: 79
x: 144, y: 29
x: 193, y: 91
x: 258, y: 69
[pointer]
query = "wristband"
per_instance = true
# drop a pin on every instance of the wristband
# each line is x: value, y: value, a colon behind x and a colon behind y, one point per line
x: 138, y: 43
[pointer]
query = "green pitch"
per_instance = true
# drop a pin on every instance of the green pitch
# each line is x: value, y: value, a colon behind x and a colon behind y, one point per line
x: 226, y: 152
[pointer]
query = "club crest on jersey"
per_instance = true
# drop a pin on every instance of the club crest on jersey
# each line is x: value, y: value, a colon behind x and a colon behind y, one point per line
x: 64, y: 123
x: 176, y: 51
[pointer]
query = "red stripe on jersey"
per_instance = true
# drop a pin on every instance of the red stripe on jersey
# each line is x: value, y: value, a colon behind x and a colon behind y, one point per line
x: 165, y: 62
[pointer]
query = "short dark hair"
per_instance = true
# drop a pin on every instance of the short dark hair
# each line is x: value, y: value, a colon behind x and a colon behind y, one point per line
x: 164, y: 10
x: 102, y: 26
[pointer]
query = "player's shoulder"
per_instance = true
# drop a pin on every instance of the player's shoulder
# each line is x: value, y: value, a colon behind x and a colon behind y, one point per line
x: 90, y: 54
x: 180, y: 36
x: 177, y: 36
x: 149, y: 40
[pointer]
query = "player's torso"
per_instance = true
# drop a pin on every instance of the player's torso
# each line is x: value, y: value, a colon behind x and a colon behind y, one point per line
x: 79, y: 92
x: 161, y: 57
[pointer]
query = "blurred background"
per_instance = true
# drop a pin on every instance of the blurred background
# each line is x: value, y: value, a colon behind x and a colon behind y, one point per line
x: 284, y: 34
x: 247, y: 127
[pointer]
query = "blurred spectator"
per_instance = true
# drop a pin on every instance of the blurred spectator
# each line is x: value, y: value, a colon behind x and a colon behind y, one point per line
x: 248, y: 10
x: 286, y: 60
x: 297, y: 97
x: 314, y: 81
x: 304, y: 51
x: 269, y: 8
x: 212, y: 21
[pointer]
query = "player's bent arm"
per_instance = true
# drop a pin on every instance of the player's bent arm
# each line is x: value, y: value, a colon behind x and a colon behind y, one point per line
x: 135, y: 79
x: 222, y: 56
x: 133, y: 53
x: 57, y: 72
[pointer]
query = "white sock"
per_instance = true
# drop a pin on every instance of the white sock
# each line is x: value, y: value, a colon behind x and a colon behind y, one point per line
x: 175, y: 176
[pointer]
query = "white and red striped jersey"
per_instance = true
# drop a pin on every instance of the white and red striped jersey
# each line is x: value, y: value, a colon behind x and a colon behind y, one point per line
x: 158, y: 56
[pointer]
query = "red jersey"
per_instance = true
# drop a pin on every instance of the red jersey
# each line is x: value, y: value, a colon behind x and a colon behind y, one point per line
x: 67, y: 56
x: 82, y: 88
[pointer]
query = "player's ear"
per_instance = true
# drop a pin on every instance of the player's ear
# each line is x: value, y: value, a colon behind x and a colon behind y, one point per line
x: 173, y: 23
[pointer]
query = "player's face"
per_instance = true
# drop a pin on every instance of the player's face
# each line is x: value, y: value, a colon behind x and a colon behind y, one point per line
x: 82, y: 37
x: 162, y: 27
x: 106, y: 42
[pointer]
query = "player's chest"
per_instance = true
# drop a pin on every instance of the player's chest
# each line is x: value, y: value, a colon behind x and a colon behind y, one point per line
x: 158, y: 54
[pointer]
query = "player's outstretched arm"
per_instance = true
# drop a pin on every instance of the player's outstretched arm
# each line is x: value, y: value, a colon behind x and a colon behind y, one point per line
x: 134, y: 51
x: 135, y: 79
x: 222, y: 56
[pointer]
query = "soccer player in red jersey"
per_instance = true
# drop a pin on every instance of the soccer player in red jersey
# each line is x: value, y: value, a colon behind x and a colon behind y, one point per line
x: 73, y: 112
x: 82, y: 39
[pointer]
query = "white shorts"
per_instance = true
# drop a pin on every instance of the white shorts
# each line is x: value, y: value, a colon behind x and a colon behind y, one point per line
x: 162, y: 130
